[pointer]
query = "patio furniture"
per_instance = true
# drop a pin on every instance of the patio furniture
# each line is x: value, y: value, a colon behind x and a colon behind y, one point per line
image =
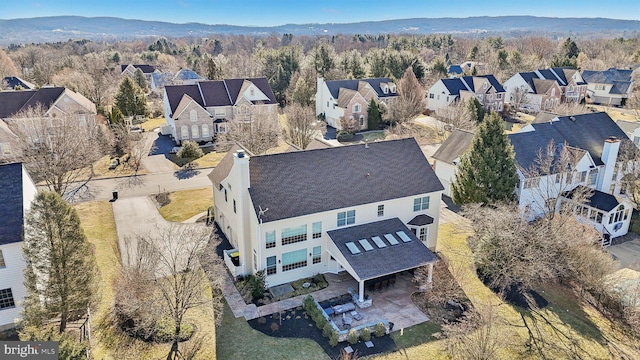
x: 347, y: 320
x: 339, y: 309
x: 356, y: 315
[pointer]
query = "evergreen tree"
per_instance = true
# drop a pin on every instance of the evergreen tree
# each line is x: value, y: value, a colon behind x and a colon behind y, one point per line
x: 473, y: 54
x: 373, y: 115
x: 190, y: 151
x: 476, y: 110
x: 60, y: 273
x: 141, y: 81
x: 569, y: 49
x: 214, y: 72
x: 487, y: 172
x: 130, y: 99
x: 323, y: 56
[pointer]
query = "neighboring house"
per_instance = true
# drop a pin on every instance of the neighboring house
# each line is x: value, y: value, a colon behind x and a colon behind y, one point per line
x: 545, y: 88
x: 183, y: 77
x: 54, y: 101
x: 197, y: 112
x: 632, y: 129
x: 455, y: 71
x: 16, y: 83
x: 371, y: 210
x: 608, y: 87
x: 448, y: 155
x: 485, y: 88
x: 147, y: 70
x: 350, y: 99
x: 593, y: 141
x: 17, y: 191
x: 9, y: 144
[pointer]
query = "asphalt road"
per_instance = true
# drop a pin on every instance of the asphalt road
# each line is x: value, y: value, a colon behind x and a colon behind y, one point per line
x: 141, y: 185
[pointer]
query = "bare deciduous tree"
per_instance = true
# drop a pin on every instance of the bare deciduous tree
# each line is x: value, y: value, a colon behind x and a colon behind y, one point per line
x: 410, y: 102
x: 182, y: 270
x: 258, y: 133
x: 476, y: 336
x: 58, y: 149
x: 519, y: 99
x: 457, y: 115
x: 302, y: 125
x: 629, y: 164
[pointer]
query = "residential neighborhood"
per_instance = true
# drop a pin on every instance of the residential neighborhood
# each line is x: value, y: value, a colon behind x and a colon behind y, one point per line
x: 417, y: 194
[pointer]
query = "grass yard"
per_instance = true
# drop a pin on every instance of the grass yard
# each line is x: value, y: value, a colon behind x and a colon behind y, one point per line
x: 186, y: 204
x: 416, y: 335
x: 151, y: 124
x: 99, y: 227
x: 236, y: 340
x: 615, y: 113
x: 210, y: 160
x: 371, y: 136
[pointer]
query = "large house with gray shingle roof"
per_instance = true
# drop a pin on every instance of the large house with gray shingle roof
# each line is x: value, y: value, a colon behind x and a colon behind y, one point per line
x: 17, y: 191
x: 546, y: 88
x: 486, y: 88
x: 608, y: 87
x: 198, y: 111
x: 370, y: 210
x: 350, y: 99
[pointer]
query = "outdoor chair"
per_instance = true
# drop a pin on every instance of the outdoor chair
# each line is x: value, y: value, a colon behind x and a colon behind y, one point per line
x: 356, y: 315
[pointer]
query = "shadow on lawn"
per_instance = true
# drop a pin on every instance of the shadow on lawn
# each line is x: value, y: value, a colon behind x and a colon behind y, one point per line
x: 564, y: 304
x: 186, y: 173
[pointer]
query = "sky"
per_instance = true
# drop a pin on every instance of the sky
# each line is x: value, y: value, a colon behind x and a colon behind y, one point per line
x: 279, y: 12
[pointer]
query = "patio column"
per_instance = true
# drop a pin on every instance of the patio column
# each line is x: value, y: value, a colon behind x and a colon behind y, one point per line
x: 361, y: 291
x: 430, y: 276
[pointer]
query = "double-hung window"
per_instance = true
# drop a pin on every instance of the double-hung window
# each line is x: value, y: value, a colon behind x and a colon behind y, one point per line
x: 421, y: 203
x: 346, y: 217
x: 270, y: 239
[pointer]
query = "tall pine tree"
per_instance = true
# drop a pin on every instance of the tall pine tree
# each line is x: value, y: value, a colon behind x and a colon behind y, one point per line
x: 60, y: 272
x: 373, y: 115
x: 487, y: 172
x: 476, y: 110
x: 130, y: 99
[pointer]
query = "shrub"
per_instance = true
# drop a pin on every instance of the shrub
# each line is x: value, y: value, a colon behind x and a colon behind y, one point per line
x: 344, y: 136
x: 352, y: 336
x: 379, y: 330
x: 320, y: 322
x: 365, y: 334
x: 327, y: 330
x: 274, y: 327
x: 258, y: 285
x: 165, y: 328
x: 333, y: 338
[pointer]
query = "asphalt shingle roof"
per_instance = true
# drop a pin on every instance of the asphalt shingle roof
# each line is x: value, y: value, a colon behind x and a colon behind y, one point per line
x: 455, y: 145
x: 14, y: 81
x: 146, y: 69
x: 421, y: 220
x: 619, y: 78
x: 335, y: 85
x: 312, y: 181
x: 587, y: 132
x: 11, y: 203
x: 454, y: 86
x: 381, y: 261
x: 176, y: 92
x: 598, y: 199
x: 12, y: 102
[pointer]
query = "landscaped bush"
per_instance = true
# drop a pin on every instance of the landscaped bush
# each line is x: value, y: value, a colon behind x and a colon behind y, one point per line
x: 379, y: 330
x: 322, y: 323
x: 344, y: 136
x: 352, y: 336
x: 365, y: 334
x: 333, y: 338
x: 327, y: 330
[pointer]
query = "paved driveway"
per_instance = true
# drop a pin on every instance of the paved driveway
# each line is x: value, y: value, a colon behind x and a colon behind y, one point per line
x: 138, y: 216
x: 628, y: 254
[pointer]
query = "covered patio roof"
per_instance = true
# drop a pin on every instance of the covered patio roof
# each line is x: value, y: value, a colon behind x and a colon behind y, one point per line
x: 379, y: 248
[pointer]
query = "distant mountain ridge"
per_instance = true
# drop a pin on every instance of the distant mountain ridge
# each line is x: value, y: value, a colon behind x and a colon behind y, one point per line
x: 62, y: 28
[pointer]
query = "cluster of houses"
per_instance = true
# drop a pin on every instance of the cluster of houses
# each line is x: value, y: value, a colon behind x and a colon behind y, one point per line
x: 371, y: 210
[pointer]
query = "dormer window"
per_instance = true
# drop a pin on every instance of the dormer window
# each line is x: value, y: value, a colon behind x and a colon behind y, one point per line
x: 385, y: 88
x: 392, y: 88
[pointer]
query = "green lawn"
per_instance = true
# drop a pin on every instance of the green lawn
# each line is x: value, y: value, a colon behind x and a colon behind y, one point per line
x: 236, y: 340
x: 416, y: 335
x: 187, y: 203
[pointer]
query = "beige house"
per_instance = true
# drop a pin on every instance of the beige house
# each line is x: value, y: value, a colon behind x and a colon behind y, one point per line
x: 544, y: 89
x: 302, y: 213
x: 199, y: 111
x: 350, y: 99
x: 486, y: 88
x: 608, y: 87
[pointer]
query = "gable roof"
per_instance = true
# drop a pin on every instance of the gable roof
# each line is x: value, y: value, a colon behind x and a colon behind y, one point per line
x: 381, y: 261
x: 145, y: 68
x: 187, y: 74
x: 216, y: 93
x: 12, y: 102
x: 176, y: 92
x: 628, y: 126
x: 598, y: 199
x: 14, y: 81
x: 542, y: 85
x: 334, y: 86
x: 619, y: 78
x: 454, y: 85
x: 345, y: 97
x: 544, y: 116
x: 585, y: 131
x: 221, y: 171
x: 455, y: 145
x: 312, y: 181
x: 11, y: 203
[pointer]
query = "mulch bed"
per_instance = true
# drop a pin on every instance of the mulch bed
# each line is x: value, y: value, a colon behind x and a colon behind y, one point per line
x: 297, y: 324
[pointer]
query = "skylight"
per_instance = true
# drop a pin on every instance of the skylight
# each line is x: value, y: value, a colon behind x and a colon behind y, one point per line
x: 353, y: 248
x: 391, y: 239
x: 365, y: 245
x: 379, y: 242
x: 403, y: 236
